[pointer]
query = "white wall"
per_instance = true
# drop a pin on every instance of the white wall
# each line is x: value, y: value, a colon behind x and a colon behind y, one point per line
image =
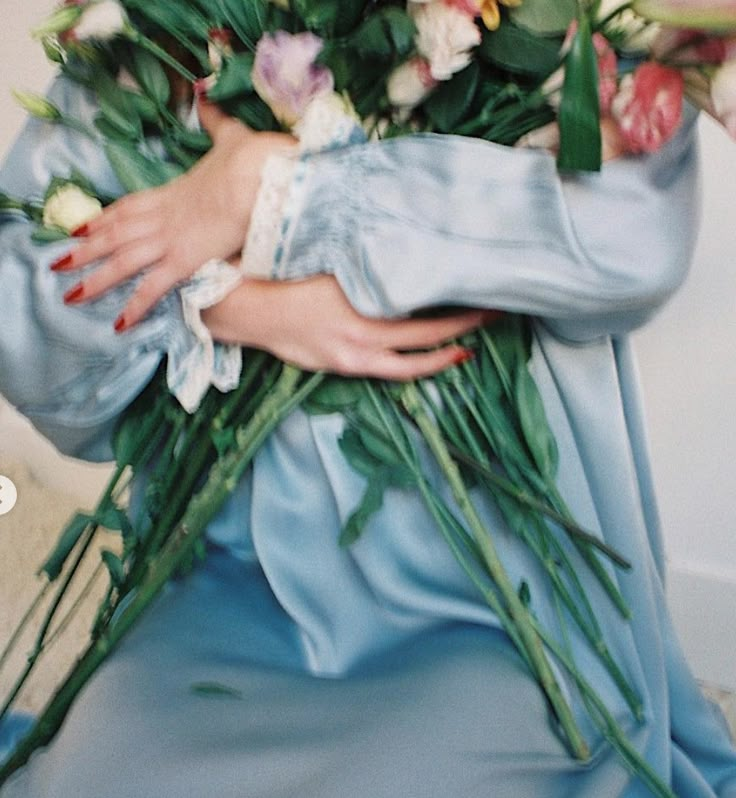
x: 688, y: 362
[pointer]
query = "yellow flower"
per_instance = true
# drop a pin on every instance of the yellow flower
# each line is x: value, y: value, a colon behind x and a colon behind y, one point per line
x: 491, y: 14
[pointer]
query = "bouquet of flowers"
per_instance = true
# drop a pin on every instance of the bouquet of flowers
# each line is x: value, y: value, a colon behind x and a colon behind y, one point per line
x: 587, y: 79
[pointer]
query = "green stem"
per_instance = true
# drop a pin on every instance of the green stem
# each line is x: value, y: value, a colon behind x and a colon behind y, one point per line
x: 180, y: 545
x: 518, y: 613
x: 147, y: 44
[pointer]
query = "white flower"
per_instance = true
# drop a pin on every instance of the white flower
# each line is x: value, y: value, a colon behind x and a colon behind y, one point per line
x: 410, y: 83
x: 638, y: 33
x: 69, y: 207
x: 445, y: 37
x: 101, y: 20
x: 328, y: 120
x: 723, y: 95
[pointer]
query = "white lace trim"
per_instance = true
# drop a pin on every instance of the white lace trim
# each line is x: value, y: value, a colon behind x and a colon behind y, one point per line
x: 199, y: 362
x: 267, y: 219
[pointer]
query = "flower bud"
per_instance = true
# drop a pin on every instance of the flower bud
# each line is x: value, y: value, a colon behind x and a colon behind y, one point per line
x: 410, y: 84
x: 63, y: 19
x: 37, y: 106
x: 69, y: 207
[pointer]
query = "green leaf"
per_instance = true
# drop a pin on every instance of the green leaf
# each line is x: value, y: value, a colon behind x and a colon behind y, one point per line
x: 113, y: 518
x: 452, y: 99
x: 544, y: 17
x: 385, y: 34
x: 48, y: 235
x: 151, y: 76
x: 134, y: 170
x: 370, y: 504
x: 234, y: 78
x: 520, y: 51
x: 253, y: 111
x: 356, y: 454
x: 68, y: 539
x: 114, y: 566
x: 534, y: 425
x: 329, y: 17
x: 215, y: 690
x: 579, y: 115
x: 335, y: 395
x: 245, y: 18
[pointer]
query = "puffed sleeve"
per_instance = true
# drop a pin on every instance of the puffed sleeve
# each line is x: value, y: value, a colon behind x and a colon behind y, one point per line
x: 428, y: 220
x: 64, y: 367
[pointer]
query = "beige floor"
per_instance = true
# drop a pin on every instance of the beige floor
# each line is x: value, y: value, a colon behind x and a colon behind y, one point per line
x: 27, y: 534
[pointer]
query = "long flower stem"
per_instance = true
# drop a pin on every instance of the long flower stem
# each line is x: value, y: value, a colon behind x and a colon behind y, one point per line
x: 519, y: 614
x: 223, y: 478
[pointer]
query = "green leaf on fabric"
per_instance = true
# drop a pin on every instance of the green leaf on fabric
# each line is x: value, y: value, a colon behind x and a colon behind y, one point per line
x: 216, y: 690
x: 452, y: 99
x: 579, y: 115
x: 48, y: 235
x: 520, y: 51
x: 544, y: 17
x: 68, y: 539
x: 534, y: 425
x: 370, y: 504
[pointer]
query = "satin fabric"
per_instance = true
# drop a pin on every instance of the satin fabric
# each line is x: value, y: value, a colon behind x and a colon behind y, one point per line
x: 376, y: 670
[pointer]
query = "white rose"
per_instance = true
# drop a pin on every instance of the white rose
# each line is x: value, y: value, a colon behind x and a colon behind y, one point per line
x: 445, y: 37
x: 328, y: 120
x: 101, y: 20
x: 410, y: 84
x: 69, y: 207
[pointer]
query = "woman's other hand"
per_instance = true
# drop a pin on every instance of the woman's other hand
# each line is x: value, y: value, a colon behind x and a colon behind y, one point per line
x: 311, y: 324
x: 170, y: 231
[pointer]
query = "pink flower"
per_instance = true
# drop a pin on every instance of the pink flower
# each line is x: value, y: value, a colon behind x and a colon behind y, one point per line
x: 285, y: 74
x: 675, y: 45
x: 648, y: 106
x: 607, y: 72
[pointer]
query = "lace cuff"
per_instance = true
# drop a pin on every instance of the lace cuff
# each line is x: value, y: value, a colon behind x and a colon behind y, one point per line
x: 328, y: 124
x: 195, y: 361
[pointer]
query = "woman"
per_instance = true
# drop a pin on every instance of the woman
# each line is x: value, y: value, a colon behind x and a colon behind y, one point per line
x: 374, y: 671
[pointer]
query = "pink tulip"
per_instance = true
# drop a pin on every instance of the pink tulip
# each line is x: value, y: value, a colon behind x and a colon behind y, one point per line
x: 285, y: 74
x: 704, y: 14
x: 648, y: 107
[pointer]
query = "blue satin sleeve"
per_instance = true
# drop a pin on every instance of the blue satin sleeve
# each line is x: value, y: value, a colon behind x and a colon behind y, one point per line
x: 428, y: 220
x: 64, y: 367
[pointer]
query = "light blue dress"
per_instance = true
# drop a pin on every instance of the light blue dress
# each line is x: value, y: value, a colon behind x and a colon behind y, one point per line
x: 377, y: 671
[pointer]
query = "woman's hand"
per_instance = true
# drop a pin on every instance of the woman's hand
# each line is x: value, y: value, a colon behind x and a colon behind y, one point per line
x: 311, y: 324
x: 169, y: 232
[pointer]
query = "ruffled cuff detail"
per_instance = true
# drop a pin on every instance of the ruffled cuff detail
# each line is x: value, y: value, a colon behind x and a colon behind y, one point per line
x: 195, y: 360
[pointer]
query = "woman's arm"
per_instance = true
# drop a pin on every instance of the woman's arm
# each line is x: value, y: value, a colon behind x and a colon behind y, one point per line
x: 65, y: 368
x: 431, y: 220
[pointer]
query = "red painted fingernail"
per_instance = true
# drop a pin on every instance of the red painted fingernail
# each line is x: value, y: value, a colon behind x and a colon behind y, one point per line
x: 81, y: 231
x: 61, y: 263
x: 463, y: 356
x: 120, y: 323
x: 200, y: 88
x: 74, y: 294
